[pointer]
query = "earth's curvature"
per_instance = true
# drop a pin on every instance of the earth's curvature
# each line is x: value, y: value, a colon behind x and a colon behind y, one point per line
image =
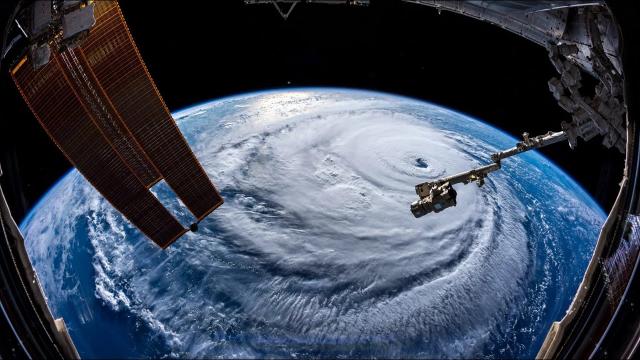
x: 315, y: 251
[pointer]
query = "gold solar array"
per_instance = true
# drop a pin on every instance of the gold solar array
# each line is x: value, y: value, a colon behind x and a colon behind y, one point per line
x: 99, y: 104
x: 131, y: 89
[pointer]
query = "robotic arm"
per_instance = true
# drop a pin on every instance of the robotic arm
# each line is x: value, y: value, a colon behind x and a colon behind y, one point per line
x: 438, y: 195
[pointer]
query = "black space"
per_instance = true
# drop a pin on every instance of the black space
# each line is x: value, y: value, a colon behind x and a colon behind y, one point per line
x: 202, y: 50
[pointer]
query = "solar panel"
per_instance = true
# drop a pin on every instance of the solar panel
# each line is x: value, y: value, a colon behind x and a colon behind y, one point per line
x: 95, y: 98
x: 107, y: 119
x: 56, y: 103
x: 114, y: 59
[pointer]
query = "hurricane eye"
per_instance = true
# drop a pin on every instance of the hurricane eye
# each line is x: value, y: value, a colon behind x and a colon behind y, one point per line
x: 421, y: 163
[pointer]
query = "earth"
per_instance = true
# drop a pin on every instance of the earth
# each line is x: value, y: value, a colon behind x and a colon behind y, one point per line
x: 315, y: 252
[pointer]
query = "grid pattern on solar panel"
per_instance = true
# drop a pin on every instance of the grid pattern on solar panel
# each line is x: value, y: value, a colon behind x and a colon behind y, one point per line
x: 108, y: 119
x: 52, y: 98
x: 118, y: 67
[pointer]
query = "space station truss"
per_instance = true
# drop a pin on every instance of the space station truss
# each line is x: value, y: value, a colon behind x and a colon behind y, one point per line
x: 99, y: 104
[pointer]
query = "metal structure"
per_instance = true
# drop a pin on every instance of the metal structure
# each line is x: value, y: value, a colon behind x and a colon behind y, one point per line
x: 87, y: 85
x: 79, y: 71
x: 28, y: 329
x: 438, y: 195
x: 583, y: 39
x: 66, y: 60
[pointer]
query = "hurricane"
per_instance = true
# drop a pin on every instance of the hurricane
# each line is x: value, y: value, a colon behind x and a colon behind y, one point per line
x: 315, y: 252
